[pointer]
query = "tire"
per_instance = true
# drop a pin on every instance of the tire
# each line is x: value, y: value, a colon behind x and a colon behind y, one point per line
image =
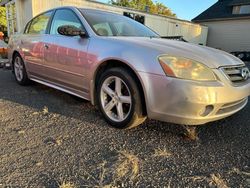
x: 119, y: 99
x: 20, y: 71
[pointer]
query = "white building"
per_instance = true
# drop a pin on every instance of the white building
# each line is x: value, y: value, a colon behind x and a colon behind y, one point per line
x: 19, y: 12
x: 228, y: 23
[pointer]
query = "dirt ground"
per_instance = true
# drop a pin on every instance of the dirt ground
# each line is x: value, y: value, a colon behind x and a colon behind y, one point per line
x: 51, y: 139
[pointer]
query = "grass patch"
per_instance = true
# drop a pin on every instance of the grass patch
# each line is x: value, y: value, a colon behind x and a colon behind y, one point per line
x: 162, y: 153
x: 190, y: 133
x: 21, y: 132
x: 127, y: 166
x: 67, y: 185
x: 239, y: 172
x: 215, y: 179
x: 45, y: 110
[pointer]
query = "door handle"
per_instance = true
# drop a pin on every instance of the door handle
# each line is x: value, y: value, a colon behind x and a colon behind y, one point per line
x: 46, y: 46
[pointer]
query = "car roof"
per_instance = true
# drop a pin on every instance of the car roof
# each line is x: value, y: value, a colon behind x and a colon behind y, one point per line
x: 95, y: 10
x: 82, y: 9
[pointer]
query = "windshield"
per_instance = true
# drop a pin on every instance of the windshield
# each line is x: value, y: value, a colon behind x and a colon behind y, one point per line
x: 109, y: 24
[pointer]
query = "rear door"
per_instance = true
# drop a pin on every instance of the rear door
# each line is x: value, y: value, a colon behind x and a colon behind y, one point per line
x: 32, y: 44
x: 66, y: 57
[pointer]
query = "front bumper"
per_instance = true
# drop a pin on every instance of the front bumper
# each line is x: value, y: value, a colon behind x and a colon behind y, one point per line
x: 190, y: 102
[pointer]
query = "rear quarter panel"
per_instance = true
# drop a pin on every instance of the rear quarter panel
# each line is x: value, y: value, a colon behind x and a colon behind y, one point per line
x: 13, y: 45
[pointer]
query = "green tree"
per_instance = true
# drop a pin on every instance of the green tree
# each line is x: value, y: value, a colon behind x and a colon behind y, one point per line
x: 124, y: 3
x: 3, y: 20
x: 155, y: 8
x: 162, y: 9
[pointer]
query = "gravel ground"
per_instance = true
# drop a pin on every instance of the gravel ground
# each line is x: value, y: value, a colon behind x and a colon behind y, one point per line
x: 51, y: 139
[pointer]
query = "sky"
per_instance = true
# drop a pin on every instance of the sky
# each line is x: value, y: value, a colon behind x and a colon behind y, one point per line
x: 185, y: 9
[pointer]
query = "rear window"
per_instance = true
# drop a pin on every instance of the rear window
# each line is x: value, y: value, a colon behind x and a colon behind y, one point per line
x: 39, y: 24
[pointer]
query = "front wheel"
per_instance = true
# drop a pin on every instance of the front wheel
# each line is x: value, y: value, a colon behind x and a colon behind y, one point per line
x: 119, y: 99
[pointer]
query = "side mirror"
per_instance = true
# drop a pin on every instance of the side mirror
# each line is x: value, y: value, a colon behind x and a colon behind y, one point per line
x: 70, y: 30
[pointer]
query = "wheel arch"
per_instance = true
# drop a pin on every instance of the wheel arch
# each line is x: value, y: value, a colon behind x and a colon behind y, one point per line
x: 117, y: 63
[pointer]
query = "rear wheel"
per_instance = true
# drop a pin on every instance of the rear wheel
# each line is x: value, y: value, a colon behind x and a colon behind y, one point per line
x: 119, y: 99
x: 20, y: 71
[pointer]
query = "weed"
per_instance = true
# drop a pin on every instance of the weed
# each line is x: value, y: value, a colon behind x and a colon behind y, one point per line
x: 67, y: 185
x: 128, y: 165
x: 215, y: 179
x: 45, y: 110
x: 162, y: 153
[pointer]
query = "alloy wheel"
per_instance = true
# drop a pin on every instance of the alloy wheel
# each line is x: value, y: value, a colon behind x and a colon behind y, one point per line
x: 116, y: 98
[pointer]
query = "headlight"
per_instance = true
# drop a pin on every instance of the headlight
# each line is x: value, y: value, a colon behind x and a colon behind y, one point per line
x: 184, y: 68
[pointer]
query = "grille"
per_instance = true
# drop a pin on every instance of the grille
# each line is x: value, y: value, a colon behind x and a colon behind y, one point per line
x: 229, y: 107
x: 234, y: 73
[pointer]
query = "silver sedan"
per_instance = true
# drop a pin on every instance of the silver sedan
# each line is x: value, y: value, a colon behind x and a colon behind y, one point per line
x: 127, y: 70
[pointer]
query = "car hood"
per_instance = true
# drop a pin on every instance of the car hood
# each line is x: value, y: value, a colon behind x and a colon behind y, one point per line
x: 211, y: 57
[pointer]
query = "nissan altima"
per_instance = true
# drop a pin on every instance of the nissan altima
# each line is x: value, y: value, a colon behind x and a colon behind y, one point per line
x: 127, y: 70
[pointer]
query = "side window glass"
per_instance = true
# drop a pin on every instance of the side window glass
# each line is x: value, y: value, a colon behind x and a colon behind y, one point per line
x: 103, y: 29
x: 39, y: 24
x: 64, y: 17
x: 123, y: 29
x: 119, y: 26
